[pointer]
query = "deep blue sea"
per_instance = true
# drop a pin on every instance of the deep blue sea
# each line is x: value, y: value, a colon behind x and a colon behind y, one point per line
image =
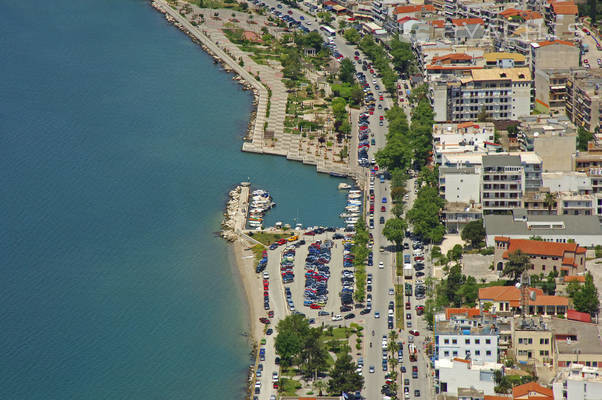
x: 119, y: 140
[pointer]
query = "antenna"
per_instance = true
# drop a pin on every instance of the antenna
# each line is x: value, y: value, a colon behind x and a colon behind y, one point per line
x: 525, y: 293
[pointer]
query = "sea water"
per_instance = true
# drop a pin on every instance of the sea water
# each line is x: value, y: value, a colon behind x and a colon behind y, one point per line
x: 119, y: 140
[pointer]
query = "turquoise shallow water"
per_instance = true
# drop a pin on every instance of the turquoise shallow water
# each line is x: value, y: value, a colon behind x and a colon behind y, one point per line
x: 119, y: 140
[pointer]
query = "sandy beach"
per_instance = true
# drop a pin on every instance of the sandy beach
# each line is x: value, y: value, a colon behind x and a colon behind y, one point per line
x: 245, y: 263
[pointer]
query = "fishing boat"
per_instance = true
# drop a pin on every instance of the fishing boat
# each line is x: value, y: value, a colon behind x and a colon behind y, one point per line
x: 352, y: 208
x: 354, y: 196
x: 344, y: 186
x: 347, y: 215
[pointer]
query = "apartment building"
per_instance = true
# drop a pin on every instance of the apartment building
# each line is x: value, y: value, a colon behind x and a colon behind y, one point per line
x: 550, y: 90
x: 465, y: 136
x: 512, y: 21
x: 553, y: 139
x: 471, y: 340
x: 504, y: 93
x: 584, y: 98
x: 560, y: 17
x: 532, y: 341
x: 584, y: 229
x: 576, y: 342
x: 456, y: 374
x: 504, y: 59
x: 456, y: 215
x: 502, y: 183
x: 578, y: 382
x: 547, y: 53
x: 544, y: 257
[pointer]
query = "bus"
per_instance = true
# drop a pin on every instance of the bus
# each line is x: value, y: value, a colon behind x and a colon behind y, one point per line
x: 328, y: 30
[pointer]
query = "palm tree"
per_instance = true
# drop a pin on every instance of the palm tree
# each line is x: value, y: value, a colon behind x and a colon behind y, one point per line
x: 550, y: 201
x: 320, y: 386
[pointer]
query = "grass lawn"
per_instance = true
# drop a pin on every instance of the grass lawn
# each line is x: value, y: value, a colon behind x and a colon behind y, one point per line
x: 289, y: 387
x: 258, y: 251
x: 268, y: 238
x: 399, y: 263
x: 399, y: 306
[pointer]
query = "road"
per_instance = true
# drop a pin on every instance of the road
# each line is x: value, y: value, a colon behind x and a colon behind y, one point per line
x: 383, y: 279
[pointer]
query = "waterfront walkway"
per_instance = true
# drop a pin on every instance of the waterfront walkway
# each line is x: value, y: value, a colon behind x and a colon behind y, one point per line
x: 263, y: 138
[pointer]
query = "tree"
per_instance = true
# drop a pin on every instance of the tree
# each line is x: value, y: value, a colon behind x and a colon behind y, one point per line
x: 290, y: 341
x: 483, y: 115
x: 339, y: 108
x: 516, y: 265
x: 454, y: 281
x: 474, y: 232
x: 352, y: 35
x: 583, y: 138
x: 455, y: 253
x: 314, y: 355
x: 357, y: 95
x: 343, y: 376
x: 585, y: 297
x: 469, y: 291
x: 395, y: 229
x: 342, y: 24
x: 347, y: 71
x: 550, y: 201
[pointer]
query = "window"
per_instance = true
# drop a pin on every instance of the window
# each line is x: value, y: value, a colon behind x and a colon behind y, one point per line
x: 530, y: 341
x: 454, y: 341
x: 446, y: 341
x: 520, y: 340
x: 446, y: 353
x: 487, y: 341
x: 455, y: 354
x: 466, y: 341
x: 488, y: 352
x: 477, y: 341
x: 477, y: 352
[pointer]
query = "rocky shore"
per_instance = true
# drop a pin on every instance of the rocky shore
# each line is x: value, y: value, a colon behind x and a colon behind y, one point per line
x: 236, y: 212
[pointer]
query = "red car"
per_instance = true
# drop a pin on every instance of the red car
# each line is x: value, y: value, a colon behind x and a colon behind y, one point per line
x: 381, y: 98
x: 413, y: 332
x: 371, y: 71
x: 264, y: 320
x: 419, y: 258
x: 315, y: 307
x: 381, y: 117
x: 271, y: 313
x: 383, y: 209
x: 310, y: 233
x: 275, y: 385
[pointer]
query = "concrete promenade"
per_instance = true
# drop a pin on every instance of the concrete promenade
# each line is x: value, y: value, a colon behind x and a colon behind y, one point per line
x: 262, y: 138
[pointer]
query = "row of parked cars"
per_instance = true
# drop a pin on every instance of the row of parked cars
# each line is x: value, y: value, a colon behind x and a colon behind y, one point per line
x: 287, y: 263
x: 365, y: 136
x: 317, y: 273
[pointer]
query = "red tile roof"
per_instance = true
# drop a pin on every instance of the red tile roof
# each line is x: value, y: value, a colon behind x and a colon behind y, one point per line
x: 550, y: 42
x: 527, y: 388
x: 438, y: 23
x: 565, y: 8
x: 405, y: 19
x: 448, y: 66
x: 415, y: 8
x: 539, y: 248
x: 498, y: 397
x: 526, y: 14
x: 512, y: 295
x: 578, y: 316
x: 467, y: 125
x: 452, y: 56
x: 468, y: 21
x: 471, y: 312
x: 330, y: 3
x: 574, y: 278
x: 462, y: 360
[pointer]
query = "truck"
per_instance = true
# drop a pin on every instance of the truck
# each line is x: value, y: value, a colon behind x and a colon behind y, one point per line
x: 262, y: 354
x: 407, y: 271
x: 406, y: 258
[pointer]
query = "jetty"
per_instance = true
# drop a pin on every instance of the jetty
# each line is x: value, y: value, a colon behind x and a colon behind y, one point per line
x: 235, y: 216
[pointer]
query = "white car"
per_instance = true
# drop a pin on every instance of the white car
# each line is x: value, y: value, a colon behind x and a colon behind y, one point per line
x: 391, y: 292
x: 377, y: 315
x: 371, y: 369
x: 381, y: 265
x: 337, y: 318
x: 419, y: 282
x: 266, y: 275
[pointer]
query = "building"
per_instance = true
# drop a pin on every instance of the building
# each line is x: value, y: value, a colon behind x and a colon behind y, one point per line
x: 462, y: 29
x: 456, y: 374
x: 576, y: 342
x: 584, y: 98
x: 504, y: 59
x: 512, y: 20
x: 553, y: 139
x: 506, y: 300
x: 545, y: 54
x: 456, y: 215
x: 459, y: 185
x: 502, y: 183
x: 532, y: 391
x: 532, y: 341
x: 578, y: 382
x: 461, y: 138
x: 503, y: 93
x: 560, y: 17
x: 468, y: 338
x: 545, y: 257
x: 583, y: 229
x: 550, y: 90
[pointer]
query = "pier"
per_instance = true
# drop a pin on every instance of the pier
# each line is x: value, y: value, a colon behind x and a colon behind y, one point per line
x: 235, y: 217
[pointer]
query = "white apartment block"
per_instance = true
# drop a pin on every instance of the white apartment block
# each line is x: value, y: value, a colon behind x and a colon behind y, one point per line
x: 456, y: 374
x: 503, y: 93
x: 578, y: 382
